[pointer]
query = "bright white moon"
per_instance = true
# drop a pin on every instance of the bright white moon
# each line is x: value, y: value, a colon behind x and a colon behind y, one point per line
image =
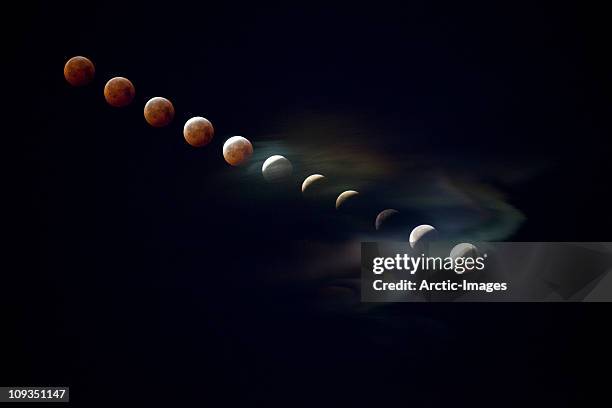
x: 421, y: 232
x: 276, y: 168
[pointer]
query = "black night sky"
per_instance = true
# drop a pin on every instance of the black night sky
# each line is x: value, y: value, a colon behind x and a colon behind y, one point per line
x: 142, y: 269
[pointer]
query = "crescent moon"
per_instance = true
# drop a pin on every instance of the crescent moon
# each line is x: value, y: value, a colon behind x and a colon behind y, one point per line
x: 345, y: 196
x: 421, y: 232
x: 310, y: 180
x: 383, y: 216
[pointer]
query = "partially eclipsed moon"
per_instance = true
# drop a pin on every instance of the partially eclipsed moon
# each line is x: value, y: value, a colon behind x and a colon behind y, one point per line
x: 198, y: 131
x: 464, y: 250
x: 158, y: 112
x: 119, y: 92
x: 237, y: 150
x: 310, y: 180
x: 420, y: 233
x: 345, y: 196
x: 79, y: 71
x: 276, y: 168
x: 383, y: 216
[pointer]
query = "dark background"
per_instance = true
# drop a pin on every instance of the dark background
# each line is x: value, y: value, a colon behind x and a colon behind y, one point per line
x: 132, y: 273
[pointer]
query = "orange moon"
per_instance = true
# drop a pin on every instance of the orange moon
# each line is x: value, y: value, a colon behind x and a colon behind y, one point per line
x: 198, y: 131
x: 119, y: 92
x: 159, y: 112
x: 79, y: 71
x: 237, y: 150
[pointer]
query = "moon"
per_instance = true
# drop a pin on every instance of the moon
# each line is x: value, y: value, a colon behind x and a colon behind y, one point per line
x: 311, y: 181
x: 276, y: 168
x: 237, y: 150
x: 79, y: 71
x: 119, y: 92
x: 198, y: 131
x: 383, y: 216
x: 159, y: 112
x: 345, y: 196
x: 421, y: 233
x: 464, y: 250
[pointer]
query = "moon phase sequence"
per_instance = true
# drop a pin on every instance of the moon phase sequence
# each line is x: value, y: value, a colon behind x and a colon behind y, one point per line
x: 237, y: 150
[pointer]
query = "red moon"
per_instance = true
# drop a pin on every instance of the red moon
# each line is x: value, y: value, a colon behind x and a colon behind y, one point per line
x: 119, y: 92
x: 158, y: 112
x: 237, y: 150
x: 198, y: 131
x: 79, y: 71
